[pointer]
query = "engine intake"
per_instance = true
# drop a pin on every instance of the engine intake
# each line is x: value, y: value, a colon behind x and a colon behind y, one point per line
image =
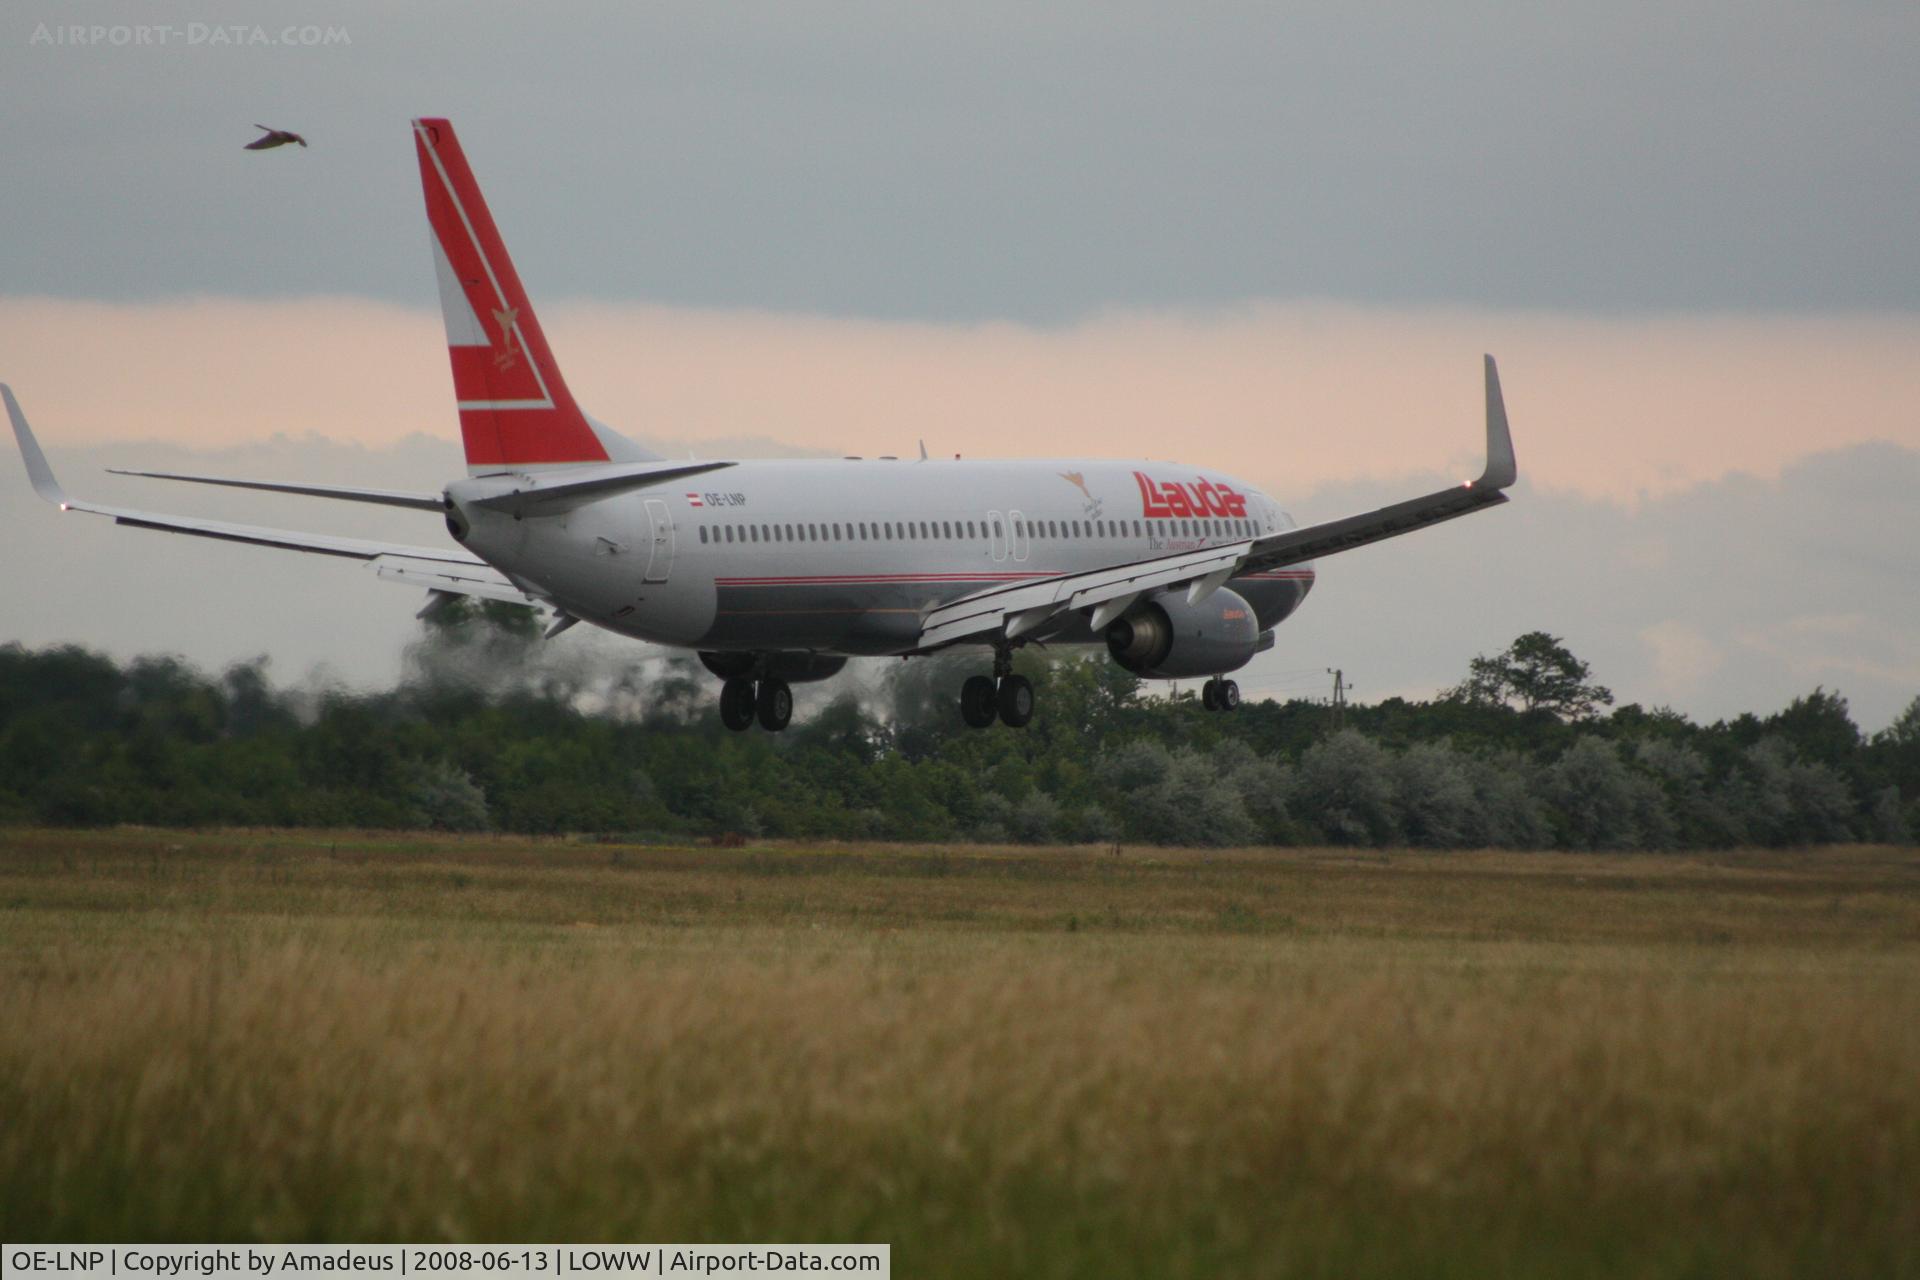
x: 1166, y: 638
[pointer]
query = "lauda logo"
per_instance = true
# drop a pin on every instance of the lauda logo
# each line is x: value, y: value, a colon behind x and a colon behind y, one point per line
x: 1169, y: 498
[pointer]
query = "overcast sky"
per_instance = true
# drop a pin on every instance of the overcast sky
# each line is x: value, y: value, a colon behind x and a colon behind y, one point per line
x: 1272, y: 239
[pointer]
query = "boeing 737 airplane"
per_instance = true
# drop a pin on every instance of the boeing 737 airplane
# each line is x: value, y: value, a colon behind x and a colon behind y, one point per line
x: 776, y: 572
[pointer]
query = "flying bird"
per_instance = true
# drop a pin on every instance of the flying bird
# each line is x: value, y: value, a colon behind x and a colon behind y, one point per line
x: 274, y: 138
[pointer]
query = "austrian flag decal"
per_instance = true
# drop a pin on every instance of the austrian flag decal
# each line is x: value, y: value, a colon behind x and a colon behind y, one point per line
x: 693, y: 500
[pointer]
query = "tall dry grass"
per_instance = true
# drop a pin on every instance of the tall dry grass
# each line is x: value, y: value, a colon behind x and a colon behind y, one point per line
x: 1041, y: 1064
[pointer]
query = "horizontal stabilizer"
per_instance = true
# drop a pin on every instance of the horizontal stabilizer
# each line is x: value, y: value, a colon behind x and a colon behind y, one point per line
x: 379, y: 497
x: 48, y: 487
x: 550, y: 493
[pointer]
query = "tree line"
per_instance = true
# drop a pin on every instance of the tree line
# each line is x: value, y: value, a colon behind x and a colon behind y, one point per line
x: 484, y: 733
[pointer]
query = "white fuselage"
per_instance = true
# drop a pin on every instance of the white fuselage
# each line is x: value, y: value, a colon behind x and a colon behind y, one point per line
x: 846, y: 556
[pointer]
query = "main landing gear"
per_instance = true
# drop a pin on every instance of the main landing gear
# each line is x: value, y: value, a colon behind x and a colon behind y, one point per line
x: 742, y: 702
x: 1219, y: 694
x: 1003, y: 696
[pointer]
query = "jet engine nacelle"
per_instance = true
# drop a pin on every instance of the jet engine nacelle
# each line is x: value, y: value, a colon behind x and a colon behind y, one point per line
x: 794, y: 668
x: 1167, y: 638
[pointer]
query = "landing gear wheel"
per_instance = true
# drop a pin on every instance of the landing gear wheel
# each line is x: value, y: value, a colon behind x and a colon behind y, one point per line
x: 775, y: 705
x: 736, y: 704
x: 1229, y: 695
x: 1210, y: 694
x: 978, y: 701
x: 1016, y: 701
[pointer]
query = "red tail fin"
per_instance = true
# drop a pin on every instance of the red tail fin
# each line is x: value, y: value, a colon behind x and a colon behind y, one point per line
x: 515, y: 409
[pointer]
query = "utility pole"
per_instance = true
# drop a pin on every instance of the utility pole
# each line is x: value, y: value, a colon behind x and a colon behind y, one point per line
x: 1340, y: 687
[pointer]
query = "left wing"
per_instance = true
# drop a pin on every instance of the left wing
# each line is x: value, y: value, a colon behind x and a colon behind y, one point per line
x: 451, y: 571
x: 1010, y: 612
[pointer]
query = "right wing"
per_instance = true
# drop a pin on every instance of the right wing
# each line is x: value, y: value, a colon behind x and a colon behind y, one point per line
x: 1010, y: 612
x: 455, y: 572
x: 1295, y: 545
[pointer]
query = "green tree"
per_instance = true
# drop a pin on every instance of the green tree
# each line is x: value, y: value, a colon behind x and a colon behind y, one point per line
x: 1537, y: 672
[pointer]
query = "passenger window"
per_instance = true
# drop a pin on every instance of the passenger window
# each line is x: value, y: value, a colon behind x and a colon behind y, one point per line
x: 703, y: 533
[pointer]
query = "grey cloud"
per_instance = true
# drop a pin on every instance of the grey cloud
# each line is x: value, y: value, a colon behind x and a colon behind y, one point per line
x: 996, y: 160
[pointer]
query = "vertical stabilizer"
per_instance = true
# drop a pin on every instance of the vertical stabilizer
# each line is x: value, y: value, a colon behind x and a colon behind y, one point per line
x: 515, y: 409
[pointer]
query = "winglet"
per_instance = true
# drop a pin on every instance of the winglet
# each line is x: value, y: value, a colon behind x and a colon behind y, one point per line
x: 37, y: 469
x: 1501, y: 470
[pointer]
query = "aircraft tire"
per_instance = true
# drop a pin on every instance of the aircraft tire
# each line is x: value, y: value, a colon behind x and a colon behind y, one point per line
x: 978, y: 702
x: 1229, y: 698
x: 736, y: 704
x: 1210, y: 694
x: 774, y: 705
x: 1016, y: 701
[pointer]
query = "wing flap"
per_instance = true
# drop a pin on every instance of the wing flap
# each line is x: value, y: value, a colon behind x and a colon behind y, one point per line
x: 1020, y: 609
x: 450, y: 579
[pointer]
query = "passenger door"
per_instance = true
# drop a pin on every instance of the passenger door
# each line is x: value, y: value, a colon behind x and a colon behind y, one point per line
x: 660, y: 556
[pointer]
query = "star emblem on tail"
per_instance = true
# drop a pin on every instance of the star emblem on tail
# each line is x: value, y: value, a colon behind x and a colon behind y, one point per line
x: 506, y: 357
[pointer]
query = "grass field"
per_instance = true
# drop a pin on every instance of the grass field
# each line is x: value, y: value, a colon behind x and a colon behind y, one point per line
x: 1033, y: 1063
